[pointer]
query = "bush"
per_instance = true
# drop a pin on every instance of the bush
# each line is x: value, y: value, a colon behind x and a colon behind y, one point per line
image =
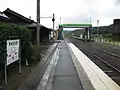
x: 36, y: 54
x: 22, y: 33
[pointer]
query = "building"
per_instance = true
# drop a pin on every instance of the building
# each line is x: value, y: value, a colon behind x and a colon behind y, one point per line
x: 13, y: 17
x: 116, y: 26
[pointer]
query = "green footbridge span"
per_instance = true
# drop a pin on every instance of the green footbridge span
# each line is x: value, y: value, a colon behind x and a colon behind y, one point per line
x: 87, y: 28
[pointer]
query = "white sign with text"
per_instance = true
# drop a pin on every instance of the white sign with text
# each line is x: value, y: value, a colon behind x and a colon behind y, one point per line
x: 12, y: 51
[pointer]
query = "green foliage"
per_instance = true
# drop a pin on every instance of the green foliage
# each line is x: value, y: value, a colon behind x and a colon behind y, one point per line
x: 22, y: 33
x: 103, y: 30
x: 36, y: 52
x: 115, y: 37
x: 78, y: 32
x: 67, y: 33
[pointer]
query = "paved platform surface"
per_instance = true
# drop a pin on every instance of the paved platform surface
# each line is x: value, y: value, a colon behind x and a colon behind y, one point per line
x: 71, y: 69
x: 65, y: 77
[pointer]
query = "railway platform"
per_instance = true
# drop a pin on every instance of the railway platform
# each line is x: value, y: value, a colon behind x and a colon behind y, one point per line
x: 70, y: 69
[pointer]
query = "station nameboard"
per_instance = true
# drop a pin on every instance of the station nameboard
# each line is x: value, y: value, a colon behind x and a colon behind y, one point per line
x: 12, y: 51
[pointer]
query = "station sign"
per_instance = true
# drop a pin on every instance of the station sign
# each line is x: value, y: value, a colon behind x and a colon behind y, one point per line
x: 12, y: 51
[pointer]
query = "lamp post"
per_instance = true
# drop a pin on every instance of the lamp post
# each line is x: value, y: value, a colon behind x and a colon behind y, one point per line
x: 89, y: 30
x: 97, y: 28
x: 60, y: 20
x: 90, y: 20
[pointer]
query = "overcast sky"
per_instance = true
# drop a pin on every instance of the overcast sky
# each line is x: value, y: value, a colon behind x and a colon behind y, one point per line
x: 70, y: 11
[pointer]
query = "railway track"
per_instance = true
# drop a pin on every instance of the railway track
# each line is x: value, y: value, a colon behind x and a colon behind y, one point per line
x: 109, y: 69
x: 103, y: 60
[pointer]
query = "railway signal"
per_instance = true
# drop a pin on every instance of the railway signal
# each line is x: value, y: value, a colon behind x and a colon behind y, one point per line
x: 53, y: 19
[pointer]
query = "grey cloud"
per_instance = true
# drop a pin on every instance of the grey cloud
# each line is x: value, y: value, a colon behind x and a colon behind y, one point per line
x: 82, y: 17
x: 117, y: 2
x: 76, y: 20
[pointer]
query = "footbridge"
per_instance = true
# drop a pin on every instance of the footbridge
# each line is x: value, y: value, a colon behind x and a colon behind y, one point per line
x: 87, y: 28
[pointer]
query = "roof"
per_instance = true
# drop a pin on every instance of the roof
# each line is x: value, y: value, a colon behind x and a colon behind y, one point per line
x: 51, y: 29
x: 3, y: 15
x: 20, y: 19
x: 34, y: 25
x: 13, y: 15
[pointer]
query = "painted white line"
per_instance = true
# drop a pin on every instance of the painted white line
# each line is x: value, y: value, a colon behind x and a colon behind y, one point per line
x: 43, y: 83
x: 99, y: 79
x: 50, y: 81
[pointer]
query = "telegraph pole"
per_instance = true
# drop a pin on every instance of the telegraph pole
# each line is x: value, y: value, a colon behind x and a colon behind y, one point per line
x: 38, y: 23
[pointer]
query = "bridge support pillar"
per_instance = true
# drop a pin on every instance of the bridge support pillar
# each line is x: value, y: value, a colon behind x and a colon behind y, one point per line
x: 88, y: 33
x: 60, y: 35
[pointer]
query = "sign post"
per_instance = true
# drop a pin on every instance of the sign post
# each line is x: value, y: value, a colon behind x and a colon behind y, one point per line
x: 20, y: 71
x: 6, y: 81
x: 13, y: 55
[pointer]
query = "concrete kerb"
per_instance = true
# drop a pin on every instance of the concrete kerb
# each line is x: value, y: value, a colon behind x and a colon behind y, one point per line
x: 50, y: 80
x: 46, y: 81
x: 37, y: 73
x: 85, y: 81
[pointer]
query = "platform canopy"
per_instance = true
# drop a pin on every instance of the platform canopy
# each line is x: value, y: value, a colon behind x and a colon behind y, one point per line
x: 75, y: 25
